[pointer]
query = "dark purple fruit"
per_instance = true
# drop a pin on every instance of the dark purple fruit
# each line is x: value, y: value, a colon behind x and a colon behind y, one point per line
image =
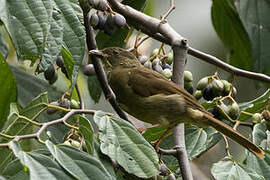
x: 142, y: 59
x: 216, y: 113
x: 166, y: 66
x: 89, y: 70
x: 190, y: 90
x: 60, y: 61
x: 94, y: 20
x: 49, y: 73
x: 64, y: 71
x: 101, y: 22
x: 208, y: 93
x: 119, y: 20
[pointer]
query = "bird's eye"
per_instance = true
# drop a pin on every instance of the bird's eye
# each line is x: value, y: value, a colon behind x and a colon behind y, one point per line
x: 115, y: 51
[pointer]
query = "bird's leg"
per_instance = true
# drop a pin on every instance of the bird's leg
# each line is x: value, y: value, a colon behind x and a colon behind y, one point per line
x: 157, y: 142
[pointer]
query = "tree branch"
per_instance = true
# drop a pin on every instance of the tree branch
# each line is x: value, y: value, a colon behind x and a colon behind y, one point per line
x: 163, y: 32
x: 91, y: 44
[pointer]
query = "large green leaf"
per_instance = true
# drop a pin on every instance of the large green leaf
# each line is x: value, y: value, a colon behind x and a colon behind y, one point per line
x: 15, y: 170
x: 255, y: 17
x: 124, y: 144
x: 94, y: 88
x: 86, y: 129
x: 80, y: 164
x: 40, y: 166
x: 28, y: 23
x: 231, y: 31
x: 74, y: 33
x: 8, y: 90
x: 254, y: 106
x: 228, y: 169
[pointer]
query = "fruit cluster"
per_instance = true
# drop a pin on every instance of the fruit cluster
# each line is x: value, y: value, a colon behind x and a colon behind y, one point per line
x: 50, y: 73
x: 106, y: 22
x: 211, y: 87
x: 163, y: 65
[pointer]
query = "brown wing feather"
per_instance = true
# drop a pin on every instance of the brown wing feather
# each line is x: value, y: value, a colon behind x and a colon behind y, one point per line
x: 146, y: 82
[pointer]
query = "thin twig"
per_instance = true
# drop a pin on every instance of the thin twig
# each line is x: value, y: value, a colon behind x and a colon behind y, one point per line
x: 80, y: 96
x: 46, y: 125
x: 226, y: 145
x: 172, y: 7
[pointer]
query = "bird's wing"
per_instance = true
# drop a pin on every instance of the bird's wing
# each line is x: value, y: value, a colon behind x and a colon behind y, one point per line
x: 146, y: 82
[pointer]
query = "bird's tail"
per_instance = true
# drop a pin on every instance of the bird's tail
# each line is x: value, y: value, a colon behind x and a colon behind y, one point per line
x: 234, y: 135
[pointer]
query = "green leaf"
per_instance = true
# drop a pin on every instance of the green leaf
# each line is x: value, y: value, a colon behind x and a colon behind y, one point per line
x: 228, y: 169
x: 36, y: 107
x: 154, y: 133
x: 28, y: 23
x: 15, y: 170
x: 8, y: 90
x: 255, y: 17
x: 68, y: 60
x: 259, y: 165
x: 86, y: 129
x: 260, y: 135
x: 124, y: 144
x: 40, y: 166
x: 54, y: 41
x: 198, y: 140
x: 254, y: 106
x: 74, y: 33
x: 231, y: 31
x: 4, y: 47
x: 77, y: 163
x: 94, y: 88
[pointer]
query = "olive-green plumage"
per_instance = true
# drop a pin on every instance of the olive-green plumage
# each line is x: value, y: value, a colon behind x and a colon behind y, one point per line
x: 150, y: 97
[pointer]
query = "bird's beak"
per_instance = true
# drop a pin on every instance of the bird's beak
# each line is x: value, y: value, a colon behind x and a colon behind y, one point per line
x: 98, y: 53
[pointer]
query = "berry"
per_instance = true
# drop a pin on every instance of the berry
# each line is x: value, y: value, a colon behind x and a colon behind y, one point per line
x: 198, y: 94
x: 169, y: 59
x: 190, y: 89
x: 89, y: 70
x: 225, y: 110
x: 157, y: 68
x: 218, y: 87
x: 234, y: 111
x: 94, y: 20
x: 208, y: 93
x: 65, y: 103
x: 256, y: 118
x: 167, y: 73
x: 74, y: 104
x: 142, y: 59
x: 148, y: 64
x: 156, y: 61
x: 163, y: 169
x: 227, y: 87
x: 202, y: 83
x: 110, y: 21
x: 101, y: 22
x: 166, y: 66
x: 119, y: 20
x: 60, y: 61
x: 187, y: 84
x: 55, y: 77
x: 216, y: 113
x: 188, y: 76
x: 49, y: 73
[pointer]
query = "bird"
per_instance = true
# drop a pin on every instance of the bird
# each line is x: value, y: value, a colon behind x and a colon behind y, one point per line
x: 150, y: 97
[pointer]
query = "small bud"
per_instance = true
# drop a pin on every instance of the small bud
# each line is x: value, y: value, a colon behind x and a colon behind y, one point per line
x: 74, y: 104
